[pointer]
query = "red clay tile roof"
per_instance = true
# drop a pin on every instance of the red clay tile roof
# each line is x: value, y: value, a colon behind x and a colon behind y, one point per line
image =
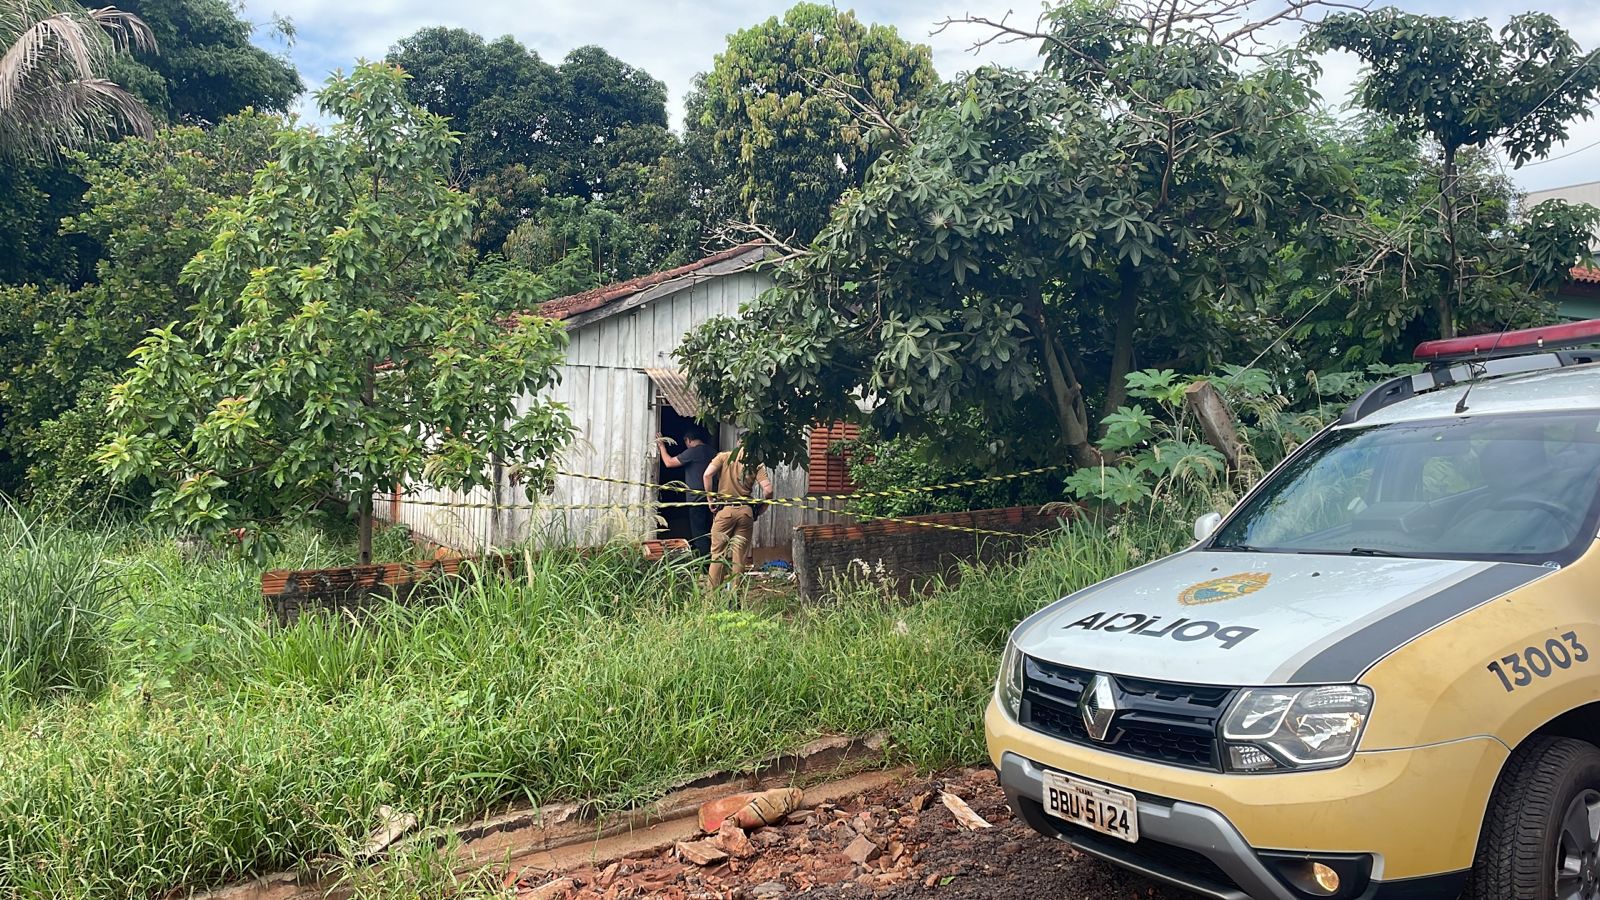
x: 1585, y: 276
x: 567, y: 307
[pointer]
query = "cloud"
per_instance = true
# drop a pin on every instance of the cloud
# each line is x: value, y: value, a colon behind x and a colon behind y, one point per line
x: 675, y: 39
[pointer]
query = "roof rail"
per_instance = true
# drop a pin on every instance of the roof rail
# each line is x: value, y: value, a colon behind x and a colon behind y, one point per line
x: 1442, y: 374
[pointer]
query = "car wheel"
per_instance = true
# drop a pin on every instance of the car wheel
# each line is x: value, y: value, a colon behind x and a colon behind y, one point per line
x: 1541, y: 835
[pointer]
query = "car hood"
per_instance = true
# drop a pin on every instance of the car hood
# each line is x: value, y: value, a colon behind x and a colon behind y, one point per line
x: 1234, y: 618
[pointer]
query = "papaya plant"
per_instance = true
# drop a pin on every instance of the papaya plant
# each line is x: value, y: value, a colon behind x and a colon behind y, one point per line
x: 1153, y: 446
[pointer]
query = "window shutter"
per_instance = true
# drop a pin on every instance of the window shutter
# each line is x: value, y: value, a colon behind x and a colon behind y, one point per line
x: 829, y: 473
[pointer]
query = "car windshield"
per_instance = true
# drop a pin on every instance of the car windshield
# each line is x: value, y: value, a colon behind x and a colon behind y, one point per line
x: 1517, y: 488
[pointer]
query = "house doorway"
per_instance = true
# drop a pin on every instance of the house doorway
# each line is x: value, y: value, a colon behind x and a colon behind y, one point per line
x: 674, y: 425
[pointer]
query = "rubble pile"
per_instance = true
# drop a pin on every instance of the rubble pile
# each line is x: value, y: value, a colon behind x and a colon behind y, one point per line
x: 941, y: 837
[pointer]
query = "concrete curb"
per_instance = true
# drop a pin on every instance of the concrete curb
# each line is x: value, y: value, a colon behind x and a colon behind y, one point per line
x: 528, y: 837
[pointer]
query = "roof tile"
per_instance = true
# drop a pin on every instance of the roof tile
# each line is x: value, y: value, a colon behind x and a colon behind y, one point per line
x: 594, y: 298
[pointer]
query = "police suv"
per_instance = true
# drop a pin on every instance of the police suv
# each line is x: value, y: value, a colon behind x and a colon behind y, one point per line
x: 1377, y: 677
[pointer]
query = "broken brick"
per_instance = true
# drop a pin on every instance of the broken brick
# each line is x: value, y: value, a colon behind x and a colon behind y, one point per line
x: 701, y: 853
x: 861, y: 851
x: 732, y: 840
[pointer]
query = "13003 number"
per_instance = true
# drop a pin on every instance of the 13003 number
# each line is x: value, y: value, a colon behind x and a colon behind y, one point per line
x: 1519, y: 669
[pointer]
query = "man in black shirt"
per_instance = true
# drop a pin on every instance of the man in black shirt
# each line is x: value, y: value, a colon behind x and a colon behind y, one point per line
x: 696, y: 455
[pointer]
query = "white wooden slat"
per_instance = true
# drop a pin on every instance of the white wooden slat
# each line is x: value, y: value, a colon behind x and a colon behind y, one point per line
x: 682, y: 320
x: 608, y: 397
x: 669, y: 331
x: 641, y: 431
x: 621, y: 450
x: 590, y: 339
x: 700, y: 305
x: 575, y: 354
x: 655, y: 314
x: 625, y: 342
x: 640, y: 320
x: 609, y: 342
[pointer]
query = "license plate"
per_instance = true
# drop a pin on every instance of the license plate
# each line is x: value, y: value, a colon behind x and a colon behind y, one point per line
x: 1104, y: 809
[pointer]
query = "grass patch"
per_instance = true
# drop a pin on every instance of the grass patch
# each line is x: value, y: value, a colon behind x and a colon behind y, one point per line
x: 55, y: 594
x: 222, y: 746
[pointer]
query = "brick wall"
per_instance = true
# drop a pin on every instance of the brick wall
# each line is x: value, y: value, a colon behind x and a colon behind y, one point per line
x: 292, y: 592
x: 903, y: 554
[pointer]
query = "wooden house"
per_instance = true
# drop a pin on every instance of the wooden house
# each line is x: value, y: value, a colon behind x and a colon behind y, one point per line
x: 623, y: 388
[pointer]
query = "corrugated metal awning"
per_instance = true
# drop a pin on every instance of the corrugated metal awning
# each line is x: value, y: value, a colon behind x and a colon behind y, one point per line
x: 674, y: 388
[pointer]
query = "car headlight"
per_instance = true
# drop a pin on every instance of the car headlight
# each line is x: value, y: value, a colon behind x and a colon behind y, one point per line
x: 1008, y: 684
x: 1277, y: 729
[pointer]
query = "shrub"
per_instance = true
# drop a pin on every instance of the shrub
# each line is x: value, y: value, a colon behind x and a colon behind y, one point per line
x: 895, y: 464
x: 63, y: 476
x: 1155, y: 452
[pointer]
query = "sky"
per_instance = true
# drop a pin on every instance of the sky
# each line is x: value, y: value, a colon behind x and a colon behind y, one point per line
x: 675, y: 39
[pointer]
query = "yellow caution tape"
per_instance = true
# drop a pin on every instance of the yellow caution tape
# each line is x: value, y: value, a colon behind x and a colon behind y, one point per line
x: 745, y: 501
x: 901, y: 492
x: 857, y: 495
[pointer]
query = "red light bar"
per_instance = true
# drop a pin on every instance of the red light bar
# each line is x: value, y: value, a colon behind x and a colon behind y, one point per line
x: 1511, y: 343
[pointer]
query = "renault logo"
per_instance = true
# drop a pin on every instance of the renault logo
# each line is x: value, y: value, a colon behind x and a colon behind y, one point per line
x: 1098, y: 707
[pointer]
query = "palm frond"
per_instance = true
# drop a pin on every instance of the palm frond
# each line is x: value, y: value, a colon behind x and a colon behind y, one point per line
x: 127, y: 31
x: 53, y: 89
x: 71, y: 114
x: 56, y: 40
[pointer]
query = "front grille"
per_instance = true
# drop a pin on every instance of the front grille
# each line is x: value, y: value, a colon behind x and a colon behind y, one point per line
x: 1176, y: 724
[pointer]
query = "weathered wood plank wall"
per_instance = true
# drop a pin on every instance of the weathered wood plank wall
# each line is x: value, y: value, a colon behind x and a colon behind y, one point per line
x: 610, y: 397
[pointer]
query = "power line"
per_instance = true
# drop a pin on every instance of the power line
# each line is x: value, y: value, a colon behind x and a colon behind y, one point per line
x: 1551, y: 159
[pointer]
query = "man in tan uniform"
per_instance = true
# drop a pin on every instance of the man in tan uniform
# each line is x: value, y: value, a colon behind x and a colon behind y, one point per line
x: 732, y: 523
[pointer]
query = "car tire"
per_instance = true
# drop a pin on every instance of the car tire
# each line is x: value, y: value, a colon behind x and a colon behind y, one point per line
x: 1531, y: 827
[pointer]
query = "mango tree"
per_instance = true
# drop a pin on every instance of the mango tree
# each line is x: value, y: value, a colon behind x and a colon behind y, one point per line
x: 1028, y: 239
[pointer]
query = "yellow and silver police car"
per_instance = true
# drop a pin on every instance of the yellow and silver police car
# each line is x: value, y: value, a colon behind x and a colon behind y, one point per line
x: 1377, y: 677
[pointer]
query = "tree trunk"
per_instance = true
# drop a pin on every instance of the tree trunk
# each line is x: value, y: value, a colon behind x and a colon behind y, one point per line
x: 1216, y: 420
x: 1126, y: 312
x: 364, y: 528
x: 1066, y: 393
x: 1449, y: 299
x: 369, y: 393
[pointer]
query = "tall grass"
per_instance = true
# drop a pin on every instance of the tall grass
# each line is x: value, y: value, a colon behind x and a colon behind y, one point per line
x: 225, y: 747
x: 55, y: 594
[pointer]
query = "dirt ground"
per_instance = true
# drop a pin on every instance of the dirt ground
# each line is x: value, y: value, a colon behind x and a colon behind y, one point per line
x: 900, y: 841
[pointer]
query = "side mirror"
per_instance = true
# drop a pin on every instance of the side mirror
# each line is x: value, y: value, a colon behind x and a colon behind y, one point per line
x: 1206, y: 524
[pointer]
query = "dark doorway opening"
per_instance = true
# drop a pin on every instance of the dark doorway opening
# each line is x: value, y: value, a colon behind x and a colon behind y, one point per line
x: 674, y: 426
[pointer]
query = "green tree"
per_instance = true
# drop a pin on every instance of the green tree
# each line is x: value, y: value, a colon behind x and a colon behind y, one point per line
x: 569, y: 126
x: 1462, y: 86
x: 1375, y: 293
x: 881, y: 469
x: 54, y: 89
x: 612, y: 114
x: 501, y: 97
x: 200, y: 69
x: 35, y: 195
x: 145, y: 210
x: 1032, y: 238
x: 782, y: 103
x: 207, y: 68
x: 337, y: 349
x: 533, y: 132
x: 668, y: 205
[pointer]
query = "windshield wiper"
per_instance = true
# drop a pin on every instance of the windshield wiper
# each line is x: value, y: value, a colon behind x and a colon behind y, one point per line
x: 1369, y: 551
